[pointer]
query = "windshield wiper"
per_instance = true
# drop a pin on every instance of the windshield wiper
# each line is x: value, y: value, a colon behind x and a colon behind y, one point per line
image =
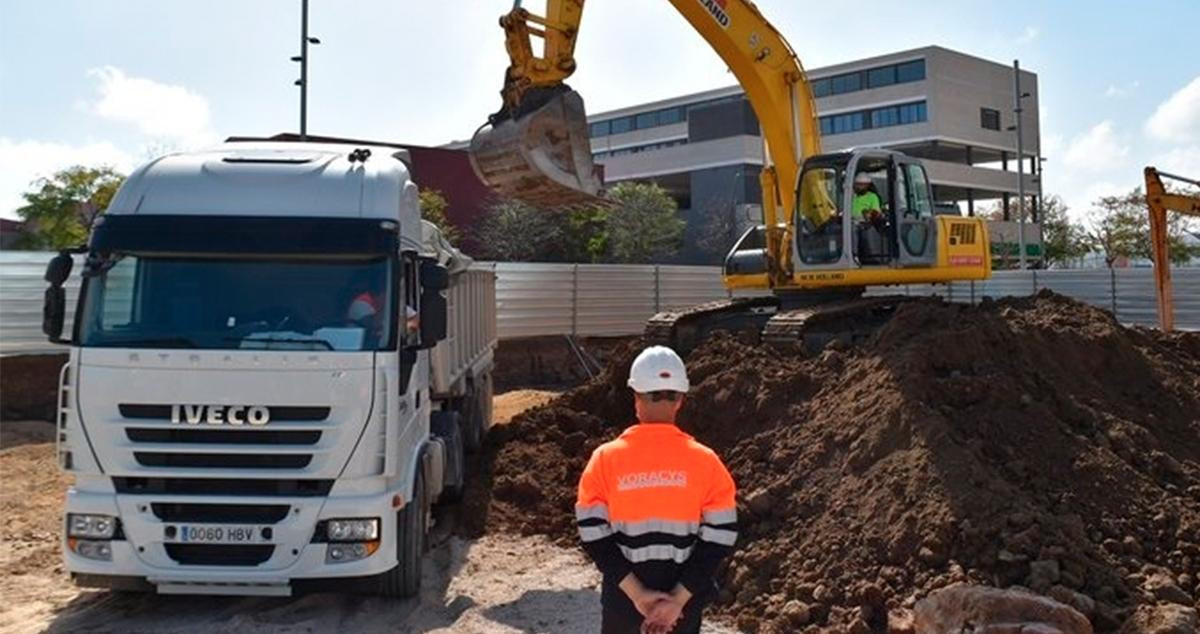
x: 268, y: 340
x: 152, y: 342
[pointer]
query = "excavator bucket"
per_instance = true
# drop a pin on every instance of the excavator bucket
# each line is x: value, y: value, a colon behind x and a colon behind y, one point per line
x: 543, y: 157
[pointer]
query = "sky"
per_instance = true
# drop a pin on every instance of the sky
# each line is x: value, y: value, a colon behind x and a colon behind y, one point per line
x: 117, y: 82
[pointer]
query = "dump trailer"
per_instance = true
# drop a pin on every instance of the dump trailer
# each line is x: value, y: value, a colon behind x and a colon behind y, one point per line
x: 275, y: 370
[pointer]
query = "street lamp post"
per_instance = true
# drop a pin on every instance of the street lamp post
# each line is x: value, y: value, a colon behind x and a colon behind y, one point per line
x: 1017, y: 109
x: 305, y: 40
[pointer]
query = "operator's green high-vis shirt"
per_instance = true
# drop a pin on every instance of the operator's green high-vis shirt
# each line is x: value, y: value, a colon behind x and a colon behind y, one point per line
x: 863, y: 203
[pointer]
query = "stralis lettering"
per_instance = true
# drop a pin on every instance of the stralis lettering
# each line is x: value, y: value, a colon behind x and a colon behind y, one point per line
x: 716, y: 8
x: 648, y: 479
x: 220, y: 414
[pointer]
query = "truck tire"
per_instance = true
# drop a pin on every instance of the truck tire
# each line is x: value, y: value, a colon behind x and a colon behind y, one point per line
x: 479, y: 413
x: 447, y: 425
x: 412, y: 525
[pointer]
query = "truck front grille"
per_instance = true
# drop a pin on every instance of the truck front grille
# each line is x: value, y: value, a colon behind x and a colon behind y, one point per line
x: 222, y: 461
x: 279, y: 413
x: 221, y: 436
x: 219, y: 555
x: 220, y: 513
x: 223, y: 486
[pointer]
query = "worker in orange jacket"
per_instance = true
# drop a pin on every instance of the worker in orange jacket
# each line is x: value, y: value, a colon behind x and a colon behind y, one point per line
x: 656, y: 510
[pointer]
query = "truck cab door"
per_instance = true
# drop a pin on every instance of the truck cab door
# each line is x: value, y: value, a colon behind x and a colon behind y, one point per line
x: 916, y: 226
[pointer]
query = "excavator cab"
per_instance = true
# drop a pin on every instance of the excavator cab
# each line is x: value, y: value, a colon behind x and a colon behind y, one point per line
x: 865, y: 208
x: 541, y: 153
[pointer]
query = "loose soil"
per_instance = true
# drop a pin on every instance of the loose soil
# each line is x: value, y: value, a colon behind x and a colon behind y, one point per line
x: 1032, y: 443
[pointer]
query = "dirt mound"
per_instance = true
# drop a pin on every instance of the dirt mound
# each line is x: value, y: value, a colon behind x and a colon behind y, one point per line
x: 1033, y: 443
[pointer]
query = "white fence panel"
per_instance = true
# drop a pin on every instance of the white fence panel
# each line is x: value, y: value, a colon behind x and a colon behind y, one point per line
x: 683, y: 286
x: 1137, y: 301
x: 534, y: 299
x: 613, y: 300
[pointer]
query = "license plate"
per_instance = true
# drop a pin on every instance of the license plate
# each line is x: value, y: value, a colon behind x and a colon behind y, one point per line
x: 215, y: 534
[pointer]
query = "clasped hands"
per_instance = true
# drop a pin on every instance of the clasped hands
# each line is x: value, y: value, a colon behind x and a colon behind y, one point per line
x: 661, y: 610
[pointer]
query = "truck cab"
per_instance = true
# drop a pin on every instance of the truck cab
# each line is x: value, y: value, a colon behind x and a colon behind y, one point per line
x: 259, y: 394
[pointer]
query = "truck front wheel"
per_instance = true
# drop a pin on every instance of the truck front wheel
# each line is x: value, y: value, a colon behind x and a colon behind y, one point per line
x: 412, y: 525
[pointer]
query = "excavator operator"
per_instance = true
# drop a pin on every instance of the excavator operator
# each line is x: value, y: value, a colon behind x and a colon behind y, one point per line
x: 656, y: 510
x: 867, y: 205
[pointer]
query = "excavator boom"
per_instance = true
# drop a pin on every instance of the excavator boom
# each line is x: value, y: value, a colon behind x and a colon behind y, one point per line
x: 1160, y: 202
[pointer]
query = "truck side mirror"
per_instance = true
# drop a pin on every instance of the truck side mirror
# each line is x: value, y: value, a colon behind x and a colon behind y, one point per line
x: 54, y: 302
x: 434, y: 309
x: 59, y: 269
x: 54, y: 309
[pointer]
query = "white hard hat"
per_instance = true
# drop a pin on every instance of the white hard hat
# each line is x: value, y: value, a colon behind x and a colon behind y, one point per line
x: 658, y: 369
x: 862, y: 179
x: 362, y: 307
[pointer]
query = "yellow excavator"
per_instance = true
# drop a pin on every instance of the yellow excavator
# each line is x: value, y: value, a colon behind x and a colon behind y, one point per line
x: 1160, y: 201
x: 814, y: 252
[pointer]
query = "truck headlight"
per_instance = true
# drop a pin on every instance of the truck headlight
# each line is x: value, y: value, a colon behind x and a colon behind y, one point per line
x: 98, y: 550
x: 90, y: 526
x: 352, y: 530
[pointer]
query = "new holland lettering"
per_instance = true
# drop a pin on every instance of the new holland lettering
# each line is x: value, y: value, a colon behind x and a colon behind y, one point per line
x: 257, y: 415
x: 716, y: 8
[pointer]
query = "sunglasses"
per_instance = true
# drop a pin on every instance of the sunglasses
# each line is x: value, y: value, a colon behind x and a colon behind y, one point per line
x: 665, y: 395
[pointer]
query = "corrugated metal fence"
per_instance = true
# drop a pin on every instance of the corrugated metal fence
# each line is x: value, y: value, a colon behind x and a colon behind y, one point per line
x: 611, y: 300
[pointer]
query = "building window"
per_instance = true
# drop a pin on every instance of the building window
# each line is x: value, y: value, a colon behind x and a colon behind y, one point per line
x: 599, y: 128
x: 670, y: 115
x: 647, y: 120
x: 846, y: 83
x: 624, y: 124
x: 884, y: 117
x: 989, y: 118
x: 912, y: 113
x: 820, y: 88
x: 877, y: 77
x: 911, y: 71
x: 850, y: 122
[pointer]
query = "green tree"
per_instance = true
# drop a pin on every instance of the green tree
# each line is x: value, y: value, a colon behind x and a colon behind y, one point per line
x: 512, y: 231
x: 433, y: 209
x: 1063, y: 240
x: 1121, y: 228
x: 643, y: 225
x: 60, y: 210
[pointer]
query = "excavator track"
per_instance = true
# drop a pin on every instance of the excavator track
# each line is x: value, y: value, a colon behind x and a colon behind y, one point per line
x: 809, y: 329
x: 683, y: 330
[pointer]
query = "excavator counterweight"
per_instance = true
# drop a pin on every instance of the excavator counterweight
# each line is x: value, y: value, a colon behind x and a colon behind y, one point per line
x: 542, y: 156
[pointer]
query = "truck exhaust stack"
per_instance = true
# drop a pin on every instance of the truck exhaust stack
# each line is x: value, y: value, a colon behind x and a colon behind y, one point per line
x: 542, y: 157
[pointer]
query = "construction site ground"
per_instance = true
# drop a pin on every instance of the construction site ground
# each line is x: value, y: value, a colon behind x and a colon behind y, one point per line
x: 501, y: 583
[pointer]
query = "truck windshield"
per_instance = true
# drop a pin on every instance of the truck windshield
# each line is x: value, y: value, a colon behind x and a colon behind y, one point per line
x: 216, y: 303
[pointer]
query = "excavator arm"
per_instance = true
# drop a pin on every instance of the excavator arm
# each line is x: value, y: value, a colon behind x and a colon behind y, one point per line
x: 1160, y: 202
x: 536, y: 147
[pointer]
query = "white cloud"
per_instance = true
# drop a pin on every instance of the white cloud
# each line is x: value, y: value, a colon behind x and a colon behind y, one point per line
x: 1122, y: 91
x: 1184, y: 161
x: 1178, y: 118
x: 23, y: 162
x: 1096, y: 149
x: 163, y: 111
x: 1028, y: 35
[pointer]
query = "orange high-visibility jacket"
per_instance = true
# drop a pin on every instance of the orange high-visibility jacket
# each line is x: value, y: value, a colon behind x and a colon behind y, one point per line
x: 660, y: 504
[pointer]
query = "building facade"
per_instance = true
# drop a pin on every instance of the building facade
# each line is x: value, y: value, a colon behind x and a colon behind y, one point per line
x: 953, y: 110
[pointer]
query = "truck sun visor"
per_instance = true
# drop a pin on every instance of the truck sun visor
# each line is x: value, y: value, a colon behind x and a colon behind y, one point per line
x: 230, y: 235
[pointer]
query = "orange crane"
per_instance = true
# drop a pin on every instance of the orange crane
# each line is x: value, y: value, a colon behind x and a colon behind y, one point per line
x: 1160, y: 201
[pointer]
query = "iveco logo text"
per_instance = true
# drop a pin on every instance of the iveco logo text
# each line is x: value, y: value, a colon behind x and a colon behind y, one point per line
x: 220, y: 414
x: 716, y: 8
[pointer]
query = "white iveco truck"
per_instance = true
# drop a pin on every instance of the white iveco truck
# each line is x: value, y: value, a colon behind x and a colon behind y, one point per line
x: 275, y: 370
